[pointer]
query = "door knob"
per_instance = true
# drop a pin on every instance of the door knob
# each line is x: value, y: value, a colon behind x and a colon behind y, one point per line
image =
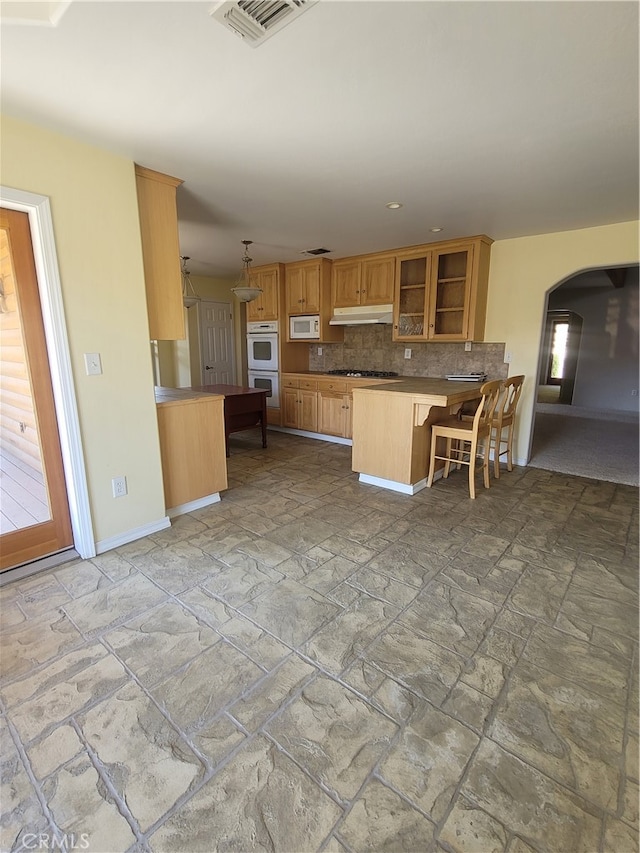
x: 208, y: 368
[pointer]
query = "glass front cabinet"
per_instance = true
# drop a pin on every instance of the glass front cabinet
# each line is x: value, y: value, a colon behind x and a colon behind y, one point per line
x: 441, y: 292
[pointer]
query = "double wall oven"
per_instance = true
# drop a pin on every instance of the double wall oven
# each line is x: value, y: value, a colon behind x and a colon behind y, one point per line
x: 262, y: 360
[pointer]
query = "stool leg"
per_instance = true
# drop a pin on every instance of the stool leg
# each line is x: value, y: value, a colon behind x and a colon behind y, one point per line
x: 472, y: 469
x: 447, y: 464
x: 485, y: 461
x: 496, y: 454
x: 510, y: 447
x: 432, y: 459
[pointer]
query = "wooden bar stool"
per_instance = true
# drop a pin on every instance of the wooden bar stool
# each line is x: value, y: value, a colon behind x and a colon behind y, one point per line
x: 466, y: 437
x: 504, y: 417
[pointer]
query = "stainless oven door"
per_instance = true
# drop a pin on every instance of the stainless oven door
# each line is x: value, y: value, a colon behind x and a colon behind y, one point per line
x: 268, y: 381
x: 262, y: 351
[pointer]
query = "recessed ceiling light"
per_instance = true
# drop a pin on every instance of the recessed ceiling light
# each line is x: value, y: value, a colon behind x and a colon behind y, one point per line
x: 393, y: 205
x: 435, y: 230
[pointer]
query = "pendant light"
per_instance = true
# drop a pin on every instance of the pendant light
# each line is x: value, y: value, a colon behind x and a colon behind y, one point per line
x: 244, y: 290
x: 189, y: 295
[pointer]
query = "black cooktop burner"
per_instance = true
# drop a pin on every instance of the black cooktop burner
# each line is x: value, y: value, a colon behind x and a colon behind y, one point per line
x: 377, y: 374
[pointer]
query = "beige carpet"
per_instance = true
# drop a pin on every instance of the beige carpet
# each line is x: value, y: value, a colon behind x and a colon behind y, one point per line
x: 600, y: 445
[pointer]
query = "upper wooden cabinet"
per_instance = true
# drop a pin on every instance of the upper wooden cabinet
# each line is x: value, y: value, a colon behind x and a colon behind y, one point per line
x: 307, y: 290
x: 441, y: 291
x: 302, y: 287
x: 160, y: 253
x: 366, y: 280
x: 268, y: 279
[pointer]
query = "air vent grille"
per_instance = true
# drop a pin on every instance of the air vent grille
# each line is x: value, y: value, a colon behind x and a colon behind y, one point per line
x: 321, y: 251
x: 257, y: 20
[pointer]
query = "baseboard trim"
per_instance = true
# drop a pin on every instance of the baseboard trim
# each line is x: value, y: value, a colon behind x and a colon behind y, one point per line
x: 181, y: 509
x: 131, y: 535
x: 318, y: 436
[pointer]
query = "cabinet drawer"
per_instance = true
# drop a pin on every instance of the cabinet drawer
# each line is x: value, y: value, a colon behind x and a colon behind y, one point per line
x: 308, y: 384
x: 289, y: 381
x: 339, y: 385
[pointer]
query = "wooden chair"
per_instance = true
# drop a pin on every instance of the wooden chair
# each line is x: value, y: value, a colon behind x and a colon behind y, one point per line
x: 466, y: 437
x: 504, y: 418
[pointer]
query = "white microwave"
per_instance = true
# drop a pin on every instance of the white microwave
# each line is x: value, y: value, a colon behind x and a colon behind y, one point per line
x: 304, y: 328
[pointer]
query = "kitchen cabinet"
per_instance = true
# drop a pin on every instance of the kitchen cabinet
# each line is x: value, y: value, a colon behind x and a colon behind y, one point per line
x: 268, y: 279
x: 192, y: 447
x: 334, y: 408
x: 299, y: 403
x: 302, y: 287
x: 441, y: 292
x: 307, y: 290
x: 366, y: 280
x: 160, y: 253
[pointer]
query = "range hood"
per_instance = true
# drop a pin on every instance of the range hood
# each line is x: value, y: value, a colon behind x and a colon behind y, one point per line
x: 363, y: 315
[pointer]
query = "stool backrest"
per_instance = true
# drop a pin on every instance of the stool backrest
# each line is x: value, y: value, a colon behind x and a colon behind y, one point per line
x: 490, y: 395
x: 512, y: 391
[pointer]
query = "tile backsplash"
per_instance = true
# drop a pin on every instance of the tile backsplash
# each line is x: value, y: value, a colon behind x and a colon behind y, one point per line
x: 371, y: 348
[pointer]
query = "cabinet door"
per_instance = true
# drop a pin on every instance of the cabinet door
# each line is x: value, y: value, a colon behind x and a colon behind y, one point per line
x: 308, y: 406
x: 332, y: 413
x: 160, y: 253
x: 411, y: 297
x: 345, y: 283
x: 449, y: 293
x: 378, y: 276
x: 290, y: 407
x: 265, y: 307
x: 311, y: 290
x: 294, y: 289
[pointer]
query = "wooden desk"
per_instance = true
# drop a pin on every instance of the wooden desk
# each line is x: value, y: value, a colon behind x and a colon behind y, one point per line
x: 244, y: 408
x: 392, y: 428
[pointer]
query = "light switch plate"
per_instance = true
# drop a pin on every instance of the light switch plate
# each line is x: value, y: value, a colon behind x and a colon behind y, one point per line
x: 407, y: 353
x: 92, y: 363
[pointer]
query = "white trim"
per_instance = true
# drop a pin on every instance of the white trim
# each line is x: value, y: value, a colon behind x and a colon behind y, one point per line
x: 131, y: 535
x: 191, y: 506
x: 392, y: 485
x: 319, y: 436
x: 55, y: 329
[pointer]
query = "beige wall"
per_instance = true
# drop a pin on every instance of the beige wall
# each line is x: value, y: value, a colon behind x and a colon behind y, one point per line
x: 97, y: 234
x: 522, y: 272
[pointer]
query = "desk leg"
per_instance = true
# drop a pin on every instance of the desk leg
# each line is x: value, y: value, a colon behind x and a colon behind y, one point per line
x: 264, y: 420
x: 226, y: 442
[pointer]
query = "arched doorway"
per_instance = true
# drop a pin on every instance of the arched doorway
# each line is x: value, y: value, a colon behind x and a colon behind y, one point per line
x: 589, y: 426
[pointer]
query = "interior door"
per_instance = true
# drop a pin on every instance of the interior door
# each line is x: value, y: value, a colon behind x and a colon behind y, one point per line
x: 217, y: 345
x: 34, y: 517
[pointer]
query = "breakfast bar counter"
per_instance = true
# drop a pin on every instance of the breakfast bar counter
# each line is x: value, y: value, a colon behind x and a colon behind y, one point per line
x: 391, y: 428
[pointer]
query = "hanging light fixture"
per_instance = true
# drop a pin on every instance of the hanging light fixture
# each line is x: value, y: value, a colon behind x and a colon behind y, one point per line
x: 189, y: 295
x: 244, y: 290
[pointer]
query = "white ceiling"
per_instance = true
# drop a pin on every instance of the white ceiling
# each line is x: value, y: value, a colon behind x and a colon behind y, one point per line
x: 502, y: 118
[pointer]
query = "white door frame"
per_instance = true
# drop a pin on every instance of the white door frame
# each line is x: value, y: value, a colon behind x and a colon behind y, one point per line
x: 55, y: 330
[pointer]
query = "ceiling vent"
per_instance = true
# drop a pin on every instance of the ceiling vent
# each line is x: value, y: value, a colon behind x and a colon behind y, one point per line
x: 257, y: 20
x: 321, y: 251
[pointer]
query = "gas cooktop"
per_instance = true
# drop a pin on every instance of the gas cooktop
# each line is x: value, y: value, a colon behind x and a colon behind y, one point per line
x: 377, y: 374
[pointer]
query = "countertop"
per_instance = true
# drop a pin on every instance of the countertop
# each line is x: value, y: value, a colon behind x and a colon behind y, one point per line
x: 182, y: 395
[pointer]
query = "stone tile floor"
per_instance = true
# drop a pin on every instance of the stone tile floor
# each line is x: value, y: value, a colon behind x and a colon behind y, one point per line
x: 315, y: 664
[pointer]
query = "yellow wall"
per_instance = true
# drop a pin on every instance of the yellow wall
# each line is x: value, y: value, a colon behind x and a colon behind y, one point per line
x: 95, y: 221
x: 522, y: 271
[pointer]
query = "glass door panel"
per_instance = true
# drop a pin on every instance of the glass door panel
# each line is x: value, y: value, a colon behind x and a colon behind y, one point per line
x: 411, y: 298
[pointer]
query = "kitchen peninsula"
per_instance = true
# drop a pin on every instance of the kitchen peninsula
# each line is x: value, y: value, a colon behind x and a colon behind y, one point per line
x: 391, y: 428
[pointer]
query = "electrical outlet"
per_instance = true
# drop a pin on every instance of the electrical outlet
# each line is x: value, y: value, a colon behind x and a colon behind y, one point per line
x: 92, y: 363
x: 407, y: 353
x: 319, y: 350
x: 119, y: 487
x: 507, y: 358
x: 634, y: 393
x: 467, y: 346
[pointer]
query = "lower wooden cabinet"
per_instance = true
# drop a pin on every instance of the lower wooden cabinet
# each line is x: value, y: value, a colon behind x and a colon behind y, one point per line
x: 300, y: 409
x: 334, y: 413
x: 192, y: 446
